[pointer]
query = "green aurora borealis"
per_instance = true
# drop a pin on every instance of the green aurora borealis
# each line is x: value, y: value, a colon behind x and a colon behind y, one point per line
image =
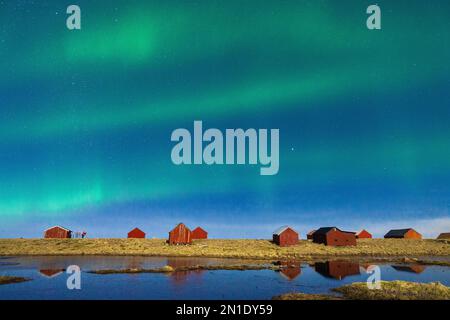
x: 86, y: 115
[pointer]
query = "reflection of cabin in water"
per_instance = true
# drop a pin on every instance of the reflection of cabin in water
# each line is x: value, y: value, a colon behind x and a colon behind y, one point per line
x: 291, y: 273
x: 290, y: 270
x: 364, y: 267
x: 337, y: 269
x: 134, y: 262
x: 181, y: 276
x: 416, y: 268
x: 51, y: 273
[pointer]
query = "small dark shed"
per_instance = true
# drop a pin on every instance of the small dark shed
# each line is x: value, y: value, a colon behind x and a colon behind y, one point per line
x: 180, y: 235
x: 57, y: 232
x: 199, y: 233
x: 403, y: 234
x: 332, y: 236
x: 310, y: 234
x: 285, y: 236
x: 136, y: 233
x: 445, y: 235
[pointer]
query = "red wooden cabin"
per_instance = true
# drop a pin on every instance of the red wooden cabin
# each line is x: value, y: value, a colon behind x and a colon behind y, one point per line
x: 332, y: 236
x: 363, y: 234
x: 199, y: 233
x: 180, y: 235
x: 136, y: 233
x: 285, y: 236
x: 403, y: 234
x: 58, y: 232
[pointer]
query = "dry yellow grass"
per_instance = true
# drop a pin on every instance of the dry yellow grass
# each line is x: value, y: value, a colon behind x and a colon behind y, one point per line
x: 305, y: 296
x: 169, y: 269
x: 396, y: 290
x: 390, y: 290
x: 246, y: 249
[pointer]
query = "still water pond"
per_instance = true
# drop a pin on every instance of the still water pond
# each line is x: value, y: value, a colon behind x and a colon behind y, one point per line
x: 49, y: 278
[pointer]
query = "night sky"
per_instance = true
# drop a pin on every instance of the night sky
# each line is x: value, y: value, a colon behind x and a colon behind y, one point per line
x: 86, y: 115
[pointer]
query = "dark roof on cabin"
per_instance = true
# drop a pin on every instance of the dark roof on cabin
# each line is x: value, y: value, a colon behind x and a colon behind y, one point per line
x: 444, y: 235
x: 397, y: 232
x: 325, y: 230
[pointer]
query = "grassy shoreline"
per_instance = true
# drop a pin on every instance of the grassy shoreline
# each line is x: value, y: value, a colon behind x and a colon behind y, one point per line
x: 390, y: 290
x: 169, y: 269
x: 392, y: 249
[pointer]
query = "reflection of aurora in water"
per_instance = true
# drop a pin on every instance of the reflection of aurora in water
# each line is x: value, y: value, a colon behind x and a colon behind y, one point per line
x: 85, y: 119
